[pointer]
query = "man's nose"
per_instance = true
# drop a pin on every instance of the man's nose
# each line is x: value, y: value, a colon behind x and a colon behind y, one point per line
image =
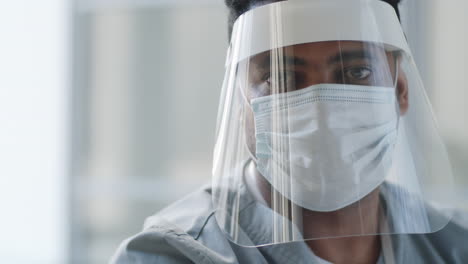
x: 317, y: 76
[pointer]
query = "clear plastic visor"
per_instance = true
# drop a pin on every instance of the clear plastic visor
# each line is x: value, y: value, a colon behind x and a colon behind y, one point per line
x: 326, y: 139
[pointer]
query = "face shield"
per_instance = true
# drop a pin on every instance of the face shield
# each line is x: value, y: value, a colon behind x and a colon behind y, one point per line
x: 324, y: 128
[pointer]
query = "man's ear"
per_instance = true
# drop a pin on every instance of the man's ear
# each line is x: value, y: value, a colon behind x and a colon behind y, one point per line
x: 402, y: 91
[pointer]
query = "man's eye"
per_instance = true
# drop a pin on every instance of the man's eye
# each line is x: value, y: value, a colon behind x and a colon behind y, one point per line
x: 280, y: 83
x: 267, y: 78
x: 358, y: 73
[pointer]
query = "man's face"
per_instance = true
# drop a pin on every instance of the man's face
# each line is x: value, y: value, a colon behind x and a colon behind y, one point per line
x: 334, y: 62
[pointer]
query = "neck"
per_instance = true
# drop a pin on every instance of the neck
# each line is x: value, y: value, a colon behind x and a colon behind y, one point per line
x: 346, y: 225
x: 361, y: 249
x: 340, y: 228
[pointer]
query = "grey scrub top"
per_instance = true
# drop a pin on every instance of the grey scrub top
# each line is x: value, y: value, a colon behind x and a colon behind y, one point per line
x: 187, y: 232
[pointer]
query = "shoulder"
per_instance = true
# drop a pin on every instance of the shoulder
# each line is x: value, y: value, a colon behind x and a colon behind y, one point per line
x: 189, y: 213
x: 180, y: 233
x: 455, y: 233
x: 449, y: 243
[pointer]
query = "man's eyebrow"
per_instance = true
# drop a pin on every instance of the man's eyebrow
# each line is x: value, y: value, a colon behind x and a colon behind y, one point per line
x: 287, y: 60
x: 350, y: 55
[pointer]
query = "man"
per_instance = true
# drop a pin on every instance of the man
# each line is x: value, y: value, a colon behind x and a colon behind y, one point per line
x: 326, y: 149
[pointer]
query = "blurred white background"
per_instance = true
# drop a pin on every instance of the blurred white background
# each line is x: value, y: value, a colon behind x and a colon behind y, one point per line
x: 108, y: 113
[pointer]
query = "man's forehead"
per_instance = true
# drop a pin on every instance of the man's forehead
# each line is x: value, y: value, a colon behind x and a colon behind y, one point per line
x: 320, y: 52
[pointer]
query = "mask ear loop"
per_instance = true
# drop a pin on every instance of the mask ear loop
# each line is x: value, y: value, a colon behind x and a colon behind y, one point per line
x: 395, y: 86
x: 397, y: 70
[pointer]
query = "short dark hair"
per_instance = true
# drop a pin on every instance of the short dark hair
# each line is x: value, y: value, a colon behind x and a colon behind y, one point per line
x: 239, y: 7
